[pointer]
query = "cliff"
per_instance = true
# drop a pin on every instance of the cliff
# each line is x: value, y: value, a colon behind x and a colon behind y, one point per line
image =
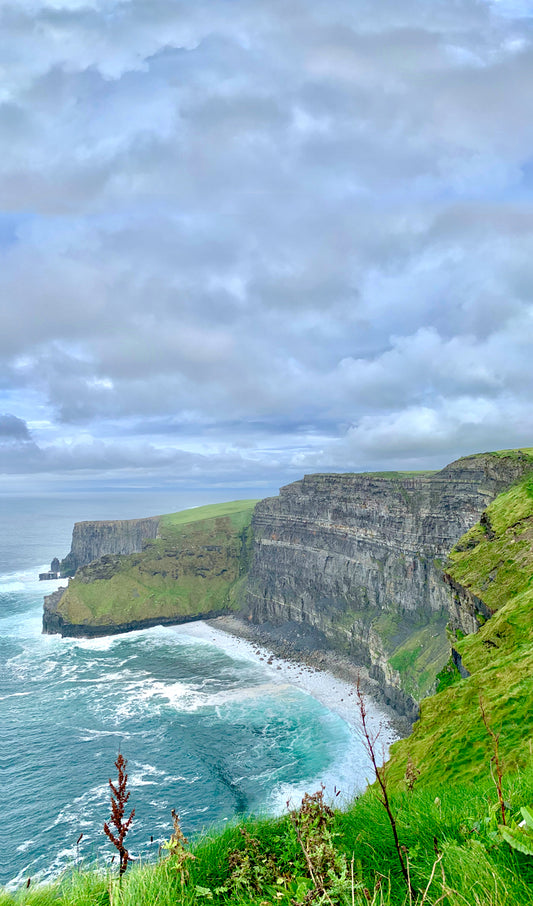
x: 355, y: 560
x: 489, y: 572
x: 92, y: 540
x: 193, y: 569
x: 359, y: 558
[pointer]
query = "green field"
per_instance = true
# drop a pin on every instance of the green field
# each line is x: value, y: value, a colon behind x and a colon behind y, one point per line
x: 195, y: 566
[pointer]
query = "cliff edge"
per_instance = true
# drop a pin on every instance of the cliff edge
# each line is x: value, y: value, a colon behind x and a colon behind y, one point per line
x: 193, y: 569
x: 359, y: 558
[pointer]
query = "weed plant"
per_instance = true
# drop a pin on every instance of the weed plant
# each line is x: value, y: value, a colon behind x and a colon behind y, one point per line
x: 119, y: 799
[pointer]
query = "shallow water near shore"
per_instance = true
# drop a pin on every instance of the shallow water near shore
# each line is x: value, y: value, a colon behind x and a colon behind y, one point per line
x: 207, y: 725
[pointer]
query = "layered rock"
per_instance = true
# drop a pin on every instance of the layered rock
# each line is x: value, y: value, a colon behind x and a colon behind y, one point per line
x: 359, y: 558
x: 92, y: 540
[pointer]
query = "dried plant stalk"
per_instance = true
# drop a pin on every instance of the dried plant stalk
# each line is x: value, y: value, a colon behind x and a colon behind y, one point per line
x: 496, y: 767
x: 119, y: 798
x: 370, y: 741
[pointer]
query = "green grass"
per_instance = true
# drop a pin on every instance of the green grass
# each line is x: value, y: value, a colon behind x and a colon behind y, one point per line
x: 495, y: 562
x: 416, y: 649
x: 195, y: 566
x: 521, y: 454
x: 237, y: 510
x: 454, y: 824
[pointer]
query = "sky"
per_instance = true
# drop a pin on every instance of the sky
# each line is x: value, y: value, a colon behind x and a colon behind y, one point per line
x: 245, y: 240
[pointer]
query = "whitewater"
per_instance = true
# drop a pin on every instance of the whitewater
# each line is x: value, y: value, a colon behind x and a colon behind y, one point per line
x: 207, y: 725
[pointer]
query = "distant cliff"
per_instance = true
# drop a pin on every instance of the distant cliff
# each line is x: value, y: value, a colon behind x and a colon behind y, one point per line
x: 92, y: 540
x: 193, y: 569
x: 359, y: 557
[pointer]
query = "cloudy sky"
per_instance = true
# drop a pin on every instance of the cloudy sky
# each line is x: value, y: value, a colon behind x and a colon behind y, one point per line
x: 241, y: 240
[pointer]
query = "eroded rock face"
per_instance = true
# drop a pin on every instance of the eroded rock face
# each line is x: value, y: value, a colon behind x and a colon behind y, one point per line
x: 93, y: 540
x: 355, y: 558
x: 467, y: 611
x: 359, y: 557
x: 52, y: 622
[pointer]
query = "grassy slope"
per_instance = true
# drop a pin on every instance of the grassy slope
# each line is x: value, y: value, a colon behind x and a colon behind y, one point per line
x: 495, y: 561
x: 421, y: 656
x: 195, y: 566
x: 478, y: 869
x: 517, y: 454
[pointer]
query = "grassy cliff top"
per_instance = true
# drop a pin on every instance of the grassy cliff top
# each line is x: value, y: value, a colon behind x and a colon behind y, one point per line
x: 494, y: 561
x: 391, y: 474
x: 194, y: 567
x: 518, y: 453
x: 236, y: 510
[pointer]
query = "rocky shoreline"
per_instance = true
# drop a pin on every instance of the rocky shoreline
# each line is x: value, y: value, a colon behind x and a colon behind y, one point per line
x: 306, y: 647
x: 344, y: 571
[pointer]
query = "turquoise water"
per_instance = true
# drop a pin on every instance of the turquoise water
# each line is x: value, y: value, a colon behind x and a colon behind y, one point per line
x: 207, y: 728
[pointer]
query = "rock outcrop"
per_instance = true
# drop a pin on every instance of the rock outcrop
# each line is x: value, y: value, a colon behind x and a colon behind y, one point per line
x: 194, y: 569
x: 359, y: 558
x: 356, y: 559
x: 92, y: 540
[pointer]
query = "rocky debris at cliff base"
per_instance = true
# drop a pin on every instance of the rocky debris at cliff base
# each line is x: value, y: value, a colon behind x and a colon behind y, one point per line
x: 337, y: 694
x: 298, y: 647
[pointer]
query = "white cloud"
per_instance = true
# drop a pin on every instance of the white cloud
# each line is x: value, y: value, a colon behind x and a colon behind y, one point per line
x: 305, y: 216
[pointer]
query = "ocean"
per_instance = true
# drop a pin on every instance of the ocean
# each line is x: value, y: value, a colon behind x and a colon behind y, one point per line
x: 207, y: 726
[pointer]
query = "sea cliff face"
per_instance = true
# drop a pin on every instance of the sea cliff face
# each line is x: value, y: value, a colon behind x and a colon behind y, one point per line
x: 491, y: 628
x: 359, y: 558
x: 92, y: 540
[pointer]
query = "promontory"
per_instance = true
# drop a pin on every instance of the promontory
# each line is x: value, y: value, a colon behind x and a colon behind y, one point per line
x: 371, y: 565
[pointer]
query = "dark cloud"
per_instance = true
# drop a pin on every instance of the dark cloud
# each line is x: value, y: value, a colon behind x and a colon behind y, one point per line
x: 18, y: 451
x: 298, y: 234
x: 13, y: 429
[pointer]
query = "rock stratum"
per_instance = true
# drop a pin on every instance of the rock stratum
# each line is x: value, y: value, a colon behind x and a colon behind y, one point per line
x: 359, y: 559
x: 92, y: 540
